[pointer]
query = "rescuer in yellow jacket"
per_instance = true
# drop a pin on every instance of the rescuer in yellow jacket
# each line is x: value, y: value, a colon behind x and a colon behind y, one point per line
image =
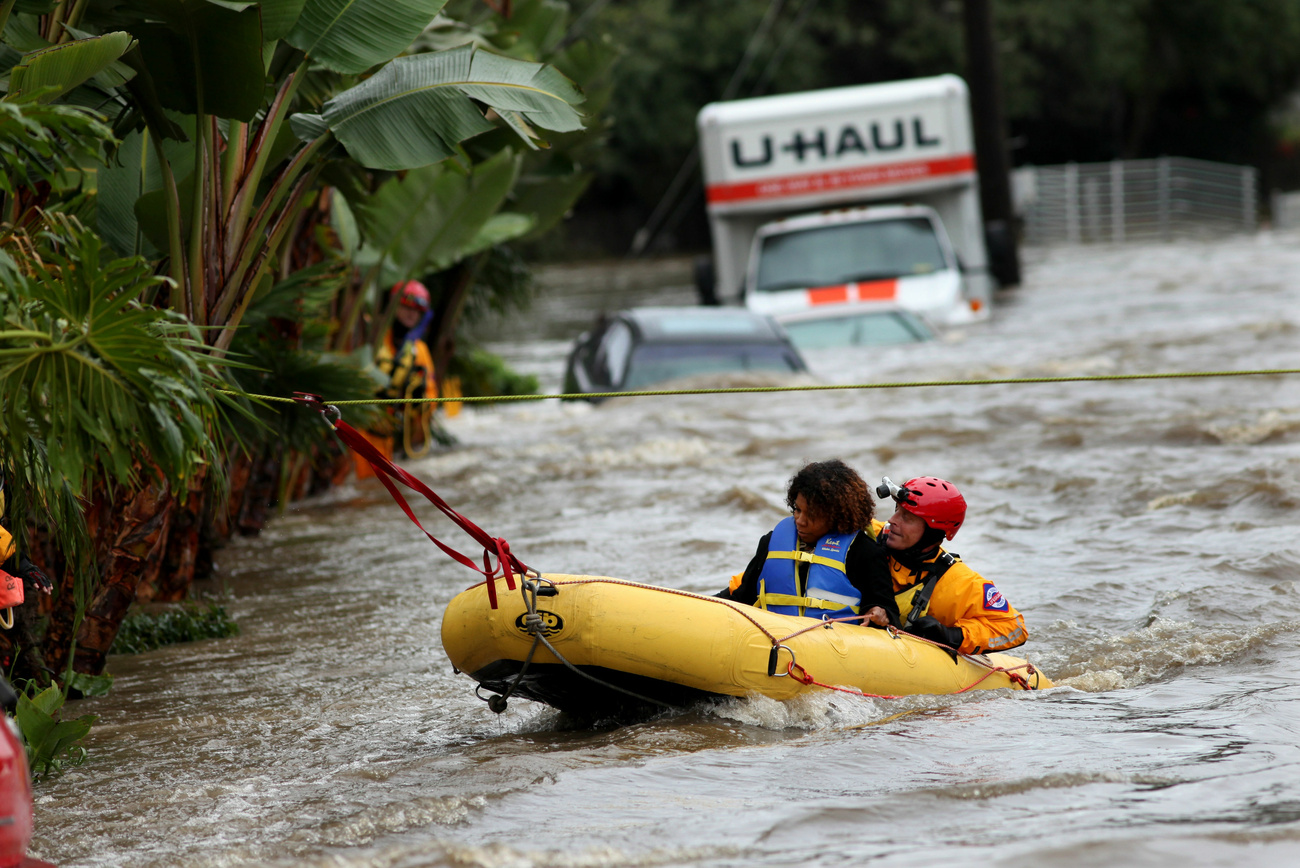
x: 939, y: 597
x: 405, y: 357
x: 19, y: 577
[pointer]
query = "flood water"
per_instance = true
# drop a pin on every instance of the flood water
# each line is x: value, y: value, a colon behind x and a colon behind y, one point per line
x: 1146, y: 529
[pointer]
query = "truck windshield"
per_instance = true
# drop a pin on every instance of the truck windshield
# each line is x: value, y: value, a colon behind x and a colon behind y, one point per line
x: 847, y: 252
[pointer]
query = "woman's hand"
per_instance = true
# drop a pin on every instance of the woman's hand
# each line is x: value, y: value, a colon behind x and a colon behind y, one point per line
x: 876, y: 615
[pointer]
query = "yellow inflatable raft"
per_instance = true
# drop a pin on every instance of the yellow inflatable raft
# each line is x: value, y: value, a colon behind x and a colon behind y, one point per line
x: 597, y: 646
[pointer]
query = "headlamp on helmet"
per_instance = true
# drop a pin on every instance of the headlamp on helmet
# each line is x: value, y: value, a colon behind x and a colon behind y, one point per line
x: 935, y: 501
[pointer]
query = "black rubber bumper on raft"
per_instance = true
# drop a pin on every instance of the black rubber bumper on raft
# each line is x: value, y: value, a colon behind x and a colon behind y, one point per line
x: 562, y: 688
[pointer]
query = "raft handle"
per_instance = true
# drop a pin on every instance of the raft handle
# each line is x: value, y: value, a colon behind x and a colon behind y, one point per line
x: 547, y: 591
x: 771, y: 661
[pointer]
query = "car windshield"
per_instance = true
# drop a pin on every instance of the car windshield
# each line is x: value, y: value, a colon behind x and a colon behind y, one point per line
x: 655, y: 363
x: 848, y: 252
x: 862, y: 330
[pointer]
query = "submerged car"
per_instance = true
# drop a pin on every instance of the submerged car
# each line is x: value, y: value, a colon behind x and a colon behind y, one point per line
x: 641, y: 347
x: 855, y: 325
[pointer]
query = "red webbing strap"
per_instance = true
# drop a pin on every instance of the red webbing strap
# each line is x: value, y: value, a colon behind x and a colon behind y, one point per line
x: 386, y: 472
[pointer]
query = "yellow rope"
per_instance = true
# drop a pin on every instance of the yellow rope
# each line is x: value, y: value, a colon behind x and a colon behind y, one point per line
x: 914, y: 384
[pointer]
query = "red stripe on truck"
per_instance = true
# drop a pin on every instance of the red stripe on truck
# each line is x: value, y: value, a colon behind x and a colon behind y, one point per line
x: 861, y: 176
x: 875, y: 290
x: 878, y: 290
x: 829, y: 295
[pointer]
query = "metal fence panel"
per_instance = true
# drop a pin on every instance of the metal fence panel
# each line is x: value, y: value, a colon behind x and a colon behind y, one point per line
x: 1135, y: 200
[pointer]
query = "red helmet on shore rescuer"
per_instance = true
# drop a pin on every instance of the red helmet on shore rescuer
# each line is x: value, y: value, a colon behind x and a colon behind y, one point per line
x: 412, y: 293
x: 935, y: 501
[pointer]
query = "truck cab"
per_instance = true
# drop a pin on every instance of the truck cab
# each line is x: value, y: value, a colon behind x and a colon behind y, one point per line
x: 898, y: 254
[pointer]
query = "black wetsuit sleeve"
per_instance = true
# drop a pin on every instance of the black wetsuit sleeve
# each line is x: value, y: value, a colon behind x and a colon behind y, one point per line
x: 748, y: 591
x: 867, y: 569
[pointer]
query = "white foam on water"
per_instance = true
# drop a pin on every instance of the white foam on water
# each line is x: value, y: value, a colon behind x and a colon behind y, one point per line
x: 1157, y: 650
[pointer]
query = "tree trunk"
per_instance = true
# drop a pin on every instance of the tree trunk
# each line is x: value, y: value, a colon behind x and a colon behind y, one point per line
x: 259, y: 495
x: 176, y: 572
x: 224, y: 515
x: 102, y: 523
x: 442, y: 343
x: 135, y: 553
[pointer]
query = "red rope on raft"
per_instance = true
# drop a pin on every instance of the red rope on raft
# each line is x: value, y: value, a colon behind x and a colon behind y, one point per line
x: 386, y: 471
x: 1015, y: 677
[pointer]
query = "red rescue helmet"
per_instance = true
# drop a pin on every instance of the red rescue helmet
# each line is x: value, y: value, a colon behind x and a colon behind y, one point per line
x: 412, y: 294
x: 935, y: 501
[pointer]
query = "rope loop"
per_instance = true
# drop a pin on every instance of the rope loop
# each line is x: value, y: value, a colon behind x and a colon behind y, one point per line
x: 801, y: 676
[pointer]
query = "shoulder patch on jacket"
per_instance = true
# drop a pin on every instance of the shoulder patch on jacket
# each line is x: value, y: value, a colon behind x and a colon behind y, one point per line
x: 993, y: 599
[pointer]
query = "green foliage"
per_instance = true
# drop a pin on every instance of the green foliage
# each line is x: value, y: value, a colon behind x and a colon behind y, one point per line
x: 188, y: 622
x: 281, y: 350
x: 353, y: 35
x: 431, y: 218
x: 40, y: 143
x: 48, y: 73
x: 90, y: 685
x: 51, y: 742
x: 482, y: 373
x: 416, y: 110
x: 502, y: 283
x: 109, y: 383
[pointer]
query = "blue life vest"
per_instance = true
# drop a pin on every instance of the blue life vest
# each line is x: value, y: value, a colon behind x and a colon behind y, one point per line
x: 828, y: 594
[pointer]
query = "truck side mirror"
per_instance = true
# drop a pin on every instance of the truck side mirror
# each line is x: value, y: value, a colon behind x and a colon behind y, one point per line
x: 706, y: 281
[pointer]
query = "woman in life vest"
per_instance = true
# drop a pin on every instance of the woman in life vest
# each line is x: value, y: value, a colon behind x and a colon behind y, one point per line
x: 939, y: 597
x: 822, y: 561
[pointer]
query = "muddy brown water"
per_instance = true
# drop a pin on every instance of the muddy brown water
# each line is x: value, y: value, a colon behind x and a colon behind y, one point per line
x: 1146, y: 529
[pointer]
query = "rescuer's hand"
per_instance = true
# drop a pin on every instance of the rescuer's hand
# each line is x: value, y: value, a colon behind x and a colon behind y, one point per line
x: 35, y: 575
x: 876, y: 615
x: 929, y: 628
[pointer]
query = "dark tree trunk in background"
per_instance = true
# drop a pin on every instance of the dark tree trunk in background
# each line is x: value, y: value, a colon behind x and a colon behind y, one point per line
x: 442, y: 343
x: 172, y: 582
x: 134, y: 555
x: 991, y: 142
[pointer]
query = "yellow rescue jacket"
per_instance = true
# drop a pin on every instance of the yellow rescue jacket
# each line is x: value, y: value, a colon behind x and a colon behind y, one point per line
x: 962, y: 598
x: 400, y: 368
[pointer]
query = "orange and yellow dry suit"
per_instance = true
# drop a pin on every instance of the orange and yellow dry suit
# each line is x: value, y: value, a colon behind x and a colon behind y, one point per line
x: 407, y: 371
x: 410, y: 374
x: 964, y: 599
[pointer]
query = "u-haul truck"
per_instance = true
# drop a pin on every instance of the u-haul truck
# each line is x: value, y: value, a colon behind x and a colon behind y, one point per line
x: 845, y: 196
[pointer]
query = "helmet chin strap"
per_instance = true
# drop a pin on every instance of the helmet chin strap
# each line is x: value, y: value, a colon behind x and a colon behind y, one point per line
x: 919, y: 551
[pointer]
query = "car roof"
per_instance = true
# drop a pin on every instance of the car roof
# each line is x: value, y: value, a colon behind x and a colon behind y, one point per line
x: 668, y: 325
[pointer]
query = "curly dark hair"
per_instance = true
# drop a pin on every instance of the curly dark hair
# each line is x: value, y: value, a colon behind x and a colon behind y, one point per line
x: 834, y: 489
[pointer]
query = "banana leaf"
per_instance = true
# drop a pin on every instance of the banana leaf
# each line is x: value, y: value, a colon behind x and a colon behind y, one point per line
x: 279, y: 17
x: 201, y: 54
x: 432, y: 218
x: 46, y: 74
x: 350, y: 36
x: 415, y: 111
